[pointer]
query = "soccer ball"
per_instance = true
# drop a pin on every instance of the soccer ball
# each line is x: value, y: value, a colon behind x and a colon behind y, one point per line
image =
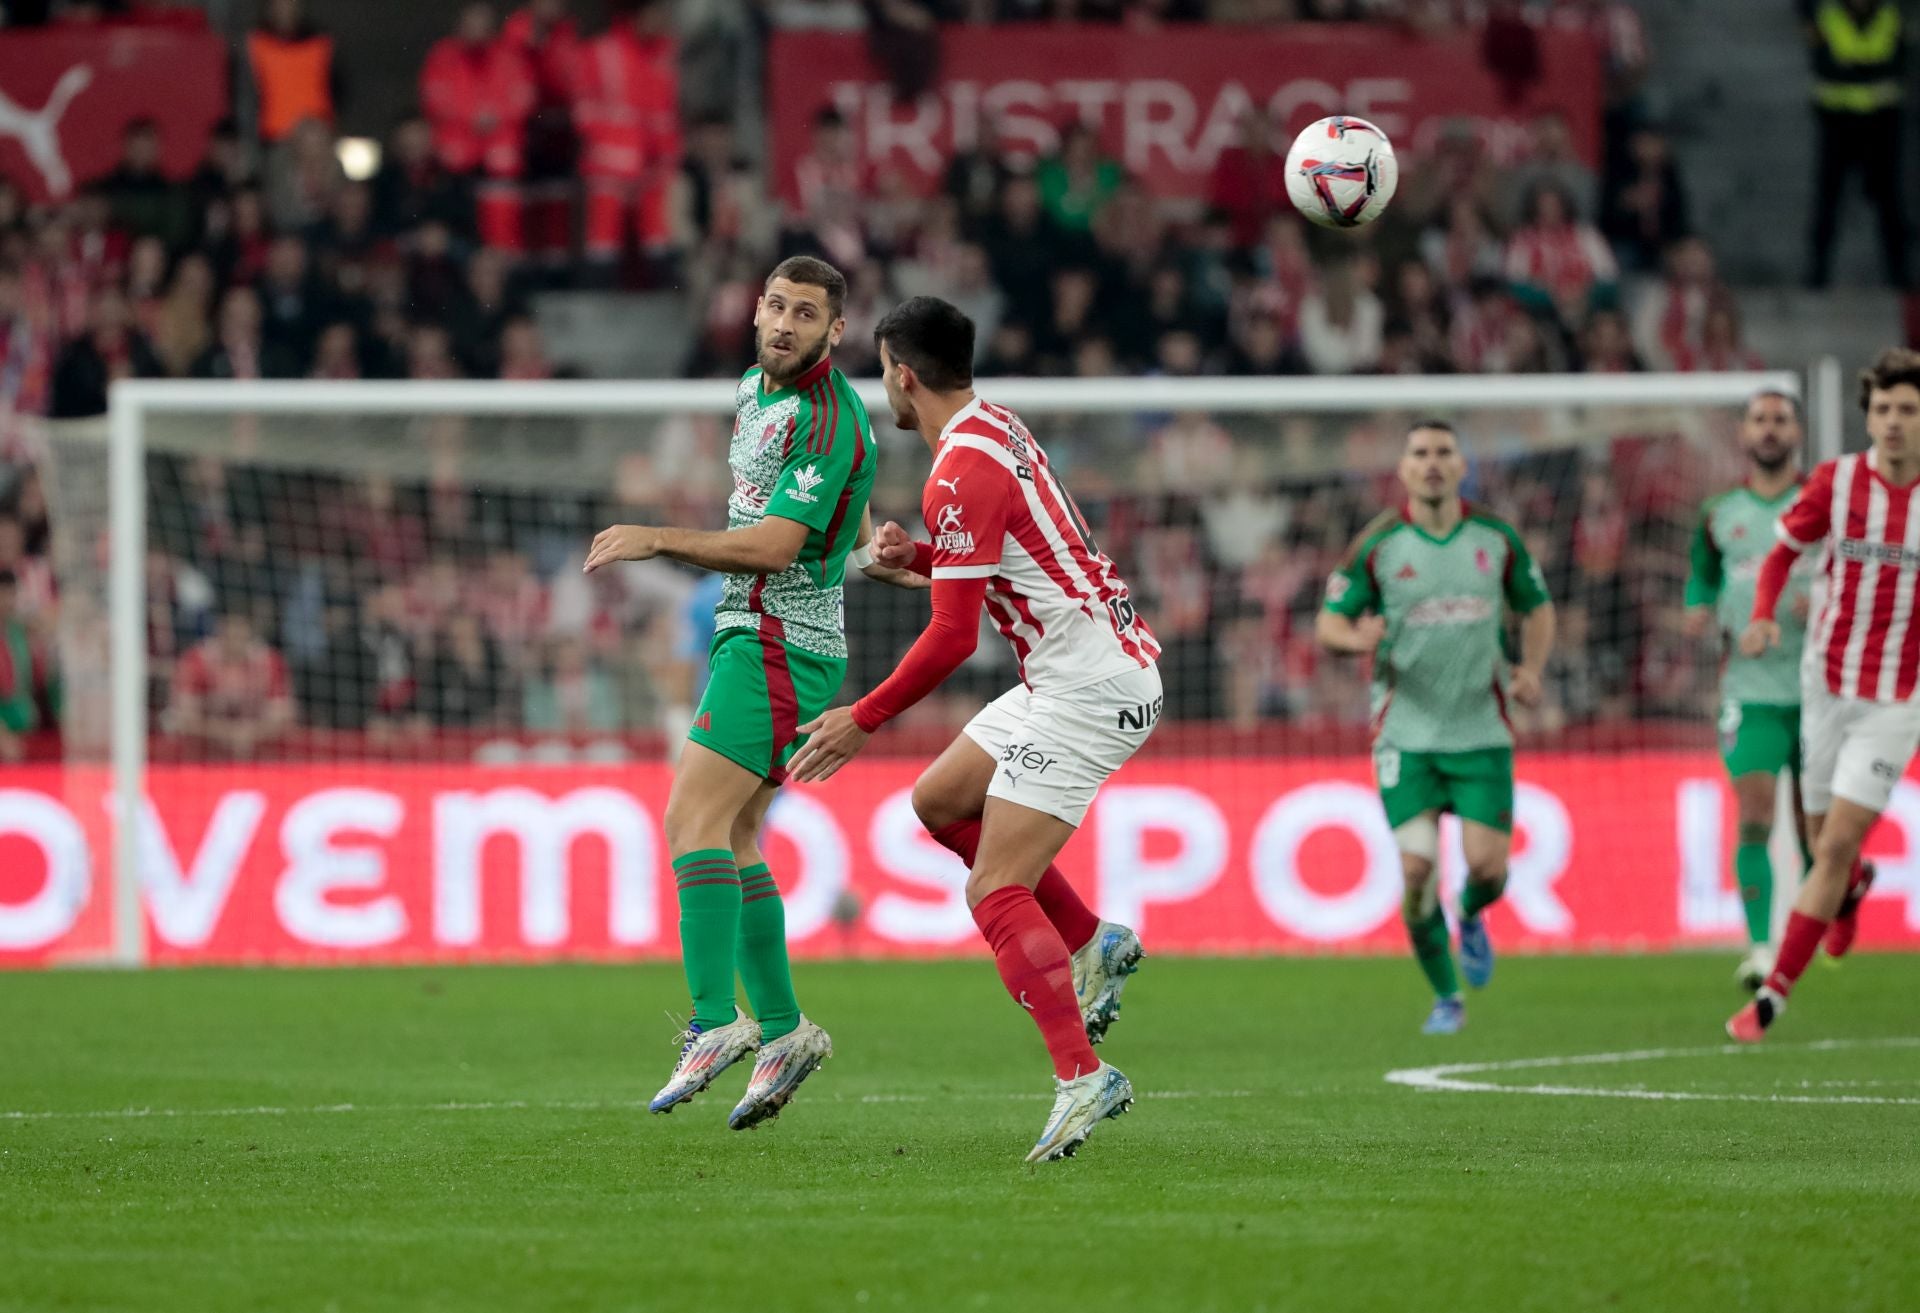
x: 1341, y: 172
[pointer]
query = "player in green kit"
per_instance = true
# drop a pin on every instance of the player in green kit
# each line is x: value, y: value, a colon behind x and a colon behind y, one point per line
x: 1760, y: 696
x: 1426, y: 590
x: 803, y: 456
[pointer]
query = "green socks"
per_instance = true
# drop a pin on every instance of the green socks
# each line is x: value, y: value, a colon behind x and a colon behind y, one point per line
x: 1753, y: 872
x: 763, y: 954
x: 710, y: 926
x: 1432, y: 948
x: 1478, y: 895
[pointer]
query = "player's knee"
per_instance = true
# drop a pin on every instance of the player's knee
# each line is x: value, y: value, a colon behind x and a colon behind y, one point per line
x: 984, y: 880
x: 934, y: 805
x: 1488, y: 871
x: 1836, y: 850
x: 690, y: 825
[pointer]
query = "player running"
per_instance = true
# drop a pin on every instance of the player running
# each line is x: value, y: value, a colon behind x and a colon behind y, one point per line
x: 1860, y: 723
x: 803, y: 456
x: 1425, y: 590
x: 1760, y: 712
x: 1009, y: 793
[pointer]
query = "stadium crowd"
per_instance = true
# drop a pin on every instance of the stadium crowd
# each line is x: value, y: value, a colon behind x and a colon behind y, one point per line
x: 545, y: 157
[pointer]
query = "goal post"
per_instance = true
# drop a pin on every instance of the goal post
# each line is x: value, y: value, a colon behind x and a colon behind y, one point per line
x: 1297, y: 431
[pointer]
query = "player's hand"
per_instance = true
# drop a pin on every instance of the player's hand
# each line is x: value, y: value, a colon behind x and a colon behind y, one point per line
x: 1698, y: 621
x: 833, y: 740
x: 1368, y: 632
x: 1761, y: 637
x: 1525, y: 687
x: 893, y: 547
x: 622, y: 542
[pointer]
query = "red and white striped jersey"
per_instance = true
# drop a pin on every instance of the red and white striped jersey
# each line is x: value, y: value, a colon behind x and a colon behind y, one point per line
x: 996, y: 512
x: 1863, y: 641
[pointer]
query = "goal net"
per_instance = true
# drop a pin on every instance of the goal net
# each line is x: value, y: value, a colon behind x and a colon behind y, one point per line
x: 331, y: 646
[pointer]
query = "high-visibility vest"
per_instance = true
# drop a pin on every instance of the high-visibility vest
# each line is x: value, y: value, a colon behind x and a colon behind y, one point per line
x: 292, y: 77
x: 1857, y: 67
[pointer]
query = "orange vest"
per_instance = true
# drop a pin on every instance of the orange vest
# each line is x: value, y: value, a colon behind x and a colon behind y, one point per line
x: 291, y: 78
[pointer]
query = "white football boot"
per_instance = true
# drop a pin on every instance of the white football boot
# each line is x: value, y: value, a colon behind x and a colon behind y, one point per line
x: 1100, y: 971
x: 704, y: 1054
x: 1079, y: 1105
x: 1754, y: 967
x: 783, y: 1063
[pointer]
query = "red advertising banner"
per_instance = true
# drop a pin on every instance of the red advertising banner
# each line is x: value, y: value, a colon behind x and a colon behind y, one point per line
x: 1224, y: 855
x: 67, y: 93
x: 1168, y: 102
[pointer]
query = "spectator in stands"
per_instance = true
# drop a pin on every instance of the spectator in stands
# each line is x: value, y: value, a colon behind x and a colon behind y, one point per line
x: 1645, y: 211
x: 223, y: 170
x: 295, y: 75
x: 1606, y: 345
x: 1076, y: 183
x: 571, y: 694
x: 303, y: 177
x: 1024, y: 248
x: 1550, y: 161
x: 1859, y: 69
x: 1670, y: 319
x: 977, y: 174
x: 1419, y: 307
x: 1460, y: 249
x: 239, y: 250
x: 430, y: 353
x: 293, y: 302
x: 483, y: 312
x: 1249, y: 181
x: 231, y: 698
x: 478, y: 92
x: 32, y: 572
x: 336, y: 353
x: 25, y: 678
x: 26, y: 364
x: 1341, y: 322
x: 523, y: 356
x: 239, y: 349
x: 830, y: 178
x: 1558, y: 263
x: 110, y: 349
x: 1720, y: 348
x: 466, y: 681
x: 549, y: 43
x: 143, y: 200
x: 627, y: 113
x: 413, y: 188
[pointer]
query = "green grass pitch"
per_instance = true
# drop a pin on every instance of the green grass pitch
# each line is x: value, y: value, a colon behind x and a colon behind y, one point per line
x: 496, y: 1153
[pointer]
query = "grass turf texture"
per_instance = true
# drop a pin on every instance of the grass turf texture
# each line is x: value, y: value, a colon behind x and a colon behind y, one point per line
x: 895, y: 1181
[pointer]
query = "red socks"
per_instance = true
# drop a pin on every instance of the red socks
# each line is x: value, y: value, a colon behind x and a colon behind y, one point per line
x: 1033, y: 965
x: 1070, y: 916
x: 1797, y: 947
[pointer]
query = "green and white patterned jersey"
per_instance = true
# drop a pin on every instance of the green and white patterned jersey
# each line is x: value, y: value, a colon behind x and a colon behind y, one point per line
x: 1439, y: 675
x: 1734, y: 537
x: 804, y: 453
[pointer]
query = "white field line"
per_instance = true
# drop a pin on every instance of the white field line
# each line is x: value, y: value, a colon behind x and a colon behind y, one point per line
x: 536, y: 1105
x: 1447, y: 1077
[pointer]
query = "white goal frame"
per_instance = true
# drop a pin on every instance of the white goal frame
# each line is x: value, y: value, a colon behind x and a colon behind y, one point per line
x: 132, y: 401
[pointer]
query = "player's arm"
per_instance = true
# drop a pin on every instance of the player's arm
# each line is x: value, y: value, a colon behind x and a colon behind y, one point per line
x: 1706, y: 575
x: 1804, y: 527
x: 764, y: 548
x: 1527, y: 596
x: 1350, y: 621
x: 867, y: 556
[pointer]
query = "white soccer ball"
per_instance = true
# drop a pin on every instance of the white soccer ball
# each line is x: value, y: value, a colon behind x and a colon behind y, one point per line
x: 1341, y: 172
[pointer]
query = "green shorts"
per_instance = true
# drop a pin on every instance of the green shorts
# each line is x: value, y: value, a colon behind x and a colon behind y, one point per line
x: 1757, y: 738
x: 1475, y: 786
x: 760, y: 690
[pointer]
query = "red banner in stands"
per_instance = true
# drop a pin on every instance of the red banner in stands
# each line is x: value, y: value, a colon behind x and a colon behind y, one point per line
x: 1169, y: 101
x: 67, y: 93
x: 441, y: 864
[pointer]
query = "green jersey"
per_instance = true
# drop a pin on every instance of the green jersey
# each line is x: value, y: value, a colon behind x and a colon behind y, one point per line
x: 1439, y: 675
x: 805, y: 452
x: 1736, y: 532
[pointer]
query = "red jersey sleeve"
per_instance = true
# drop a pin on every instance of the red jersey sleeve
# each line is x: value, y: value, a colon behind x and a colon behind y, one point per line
x: 1808, y: 521
x: 967, y: 504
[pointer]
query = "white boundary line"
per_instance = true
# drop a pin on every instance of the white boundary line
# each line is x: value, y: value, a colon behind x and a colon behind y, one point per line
x: 1446, y: 1076
x: 536, y: 1105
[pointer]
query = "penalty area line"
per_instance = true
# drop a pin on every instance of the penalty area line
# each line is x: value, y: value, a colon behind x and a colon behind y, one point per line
x: 1451, y: 1077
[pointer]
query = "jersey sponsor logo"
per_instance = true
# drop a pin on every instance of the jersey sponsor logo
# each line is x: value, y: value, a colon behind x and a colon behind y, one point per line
x: 1483, y: 560
x: 1027, y: 757
x: 1860, y: 549
x: 705, y: 721
x: 1449, y: 611
x: 805, y: 482
x: 1338, y: 586
x: 1386, y: 767
x: 750, y: 492
x: 951, y: 536
x: 1144, y: 716
x: 951, y: 485
x: 948, y: 519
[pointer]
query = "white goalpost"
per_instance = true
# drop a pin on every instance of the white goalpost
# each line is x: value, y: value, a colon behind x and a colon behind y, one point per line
x: 565, y: 440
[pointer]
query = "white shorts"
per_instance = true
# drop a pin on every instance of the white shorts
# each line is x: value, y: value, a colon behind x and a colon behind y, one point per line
x: 1053, y: 752
x: 1853, y: 749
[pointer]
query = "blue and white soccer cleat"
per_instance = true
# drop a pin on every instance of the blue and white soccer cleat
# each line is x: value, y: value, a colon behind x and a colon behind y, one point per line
x: 783, y: 1063
x: 704, y: 1054
x: 1079, y: 1105
x: 1476, y: 952
x: 1449, y: 1017
x: 1100, y: 971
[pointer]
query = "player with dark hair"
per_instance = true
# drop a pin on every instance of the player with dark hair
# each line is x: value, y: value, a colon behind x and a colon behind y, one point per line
x: 1760, y: 696
x: 803, y: 458
x: 1860, y: 722
x: 1010, y: 791
x: 1426, y: 592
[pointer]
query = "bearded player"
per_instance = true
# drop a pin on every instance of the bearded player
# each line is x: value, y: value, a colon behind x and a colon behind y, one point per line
x: 1426, y: 591
x: 803, y: 457
x: 1859, y: 719
x: 1760, y: 696
x: 1009, y: 793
